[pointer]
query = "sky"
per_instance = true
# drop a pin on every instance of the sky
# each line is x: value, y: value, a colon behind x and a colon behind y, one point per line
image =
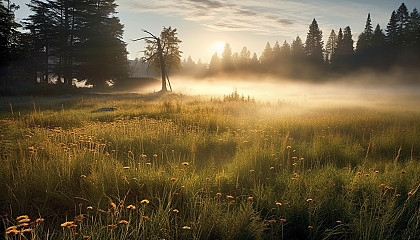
x: 205, y: 25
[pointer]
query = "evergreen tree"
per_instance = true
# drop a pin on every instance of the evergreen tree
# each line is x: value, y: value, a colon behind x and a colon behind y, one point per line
x: 392, y: 30
x: 227, y: 61
x: 214, y: 66
x: 9, y: 44
x: 297, y: 49
x: 285, y: 50
x: 378, y: 37
x: 414, y: 29
x: 103, y: 52
x: 365, y: 38
x: 402, y: 25
x: 331, y: 46
x: 267, y: 55
x: 244, y: 57
x: 276, y: 52
x: 314, y: 43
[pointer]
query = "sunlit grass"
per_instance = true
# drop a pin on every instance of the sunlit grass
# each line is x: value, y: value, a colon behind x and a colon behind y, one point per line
x: 190, y: 168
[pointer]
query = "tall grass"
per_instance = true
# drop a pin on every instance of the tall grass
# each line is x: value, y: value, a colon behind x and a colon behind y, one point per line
x: 188, y: 168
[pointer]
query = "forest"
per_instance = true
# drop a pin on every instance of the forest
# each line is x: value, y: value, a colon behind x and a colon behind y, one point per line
x: 66, y: 41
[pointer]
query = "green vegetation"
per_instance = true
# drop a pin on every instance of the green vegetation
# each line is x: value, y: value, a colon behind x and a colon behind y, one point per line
x: 177, y: 167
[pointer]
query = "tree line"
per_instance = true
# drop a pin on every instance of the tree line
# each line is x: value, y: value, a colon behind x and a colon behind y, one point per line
x: 63, y: 40
x: 375, y: 48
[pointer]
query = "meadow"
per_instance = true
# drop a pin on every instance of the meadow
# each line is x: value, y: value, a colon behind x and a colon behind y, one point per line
x: 180, y: 167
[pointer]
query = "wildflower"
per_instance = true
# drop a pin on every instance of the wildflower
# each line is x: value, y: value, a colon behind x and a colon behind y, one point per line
x: 155, y: 155
x: 145, y: 217
x: 89, y: 208
x: 309, y: 200
x: 301, y: 159
x: 252, y: 170
x: 173, y: 179
x: 245, y: 142
x: 112, y: 205
x: 294, y: 158
x: 175, y: 210
x: 86, y: 237
x: 131, y: 207
x: 175, y: 194
x: 272, y: 221
x: 288, y: 147
x: 282, y: 220
x: 23, y: 225
x: 250, y: 198
x: 207, y: 179
x: 229, y: 197
x: 381, y: 185
x: 397, y: 195
x: 185, y: 163
x: 309, y: 170
x: 145, y: 201
x: 218, y: 194
x: 12, y: 231
x: 10, y: 228
x: 359, y: 173
x: 125, y: 222
x: 376, y: 171
x: 403, y: 171
x: 310, y: 227
x: 24, y: 220
x: 83, y: 176
x: 112, y: 226
x: 279, y: 203
x: 271, y: 168
x: 68, y: 224
x: 143, y: 156
x: 232, y: 202
x: 22, y: 217
x: 186, y: 227
x: 338, y: 221
x: 148, y: 164
x: 26, y: 230
x: 126, y: 167
x: 39, y: 220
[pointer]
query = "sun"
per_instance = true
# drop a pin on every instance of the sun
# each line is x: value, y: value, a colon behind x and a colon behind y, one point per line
x: 218, y: 47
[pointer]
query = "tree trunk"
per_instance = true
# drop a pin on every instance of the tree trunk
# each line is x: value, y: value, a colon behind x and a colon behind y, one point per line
x: 162, y: 66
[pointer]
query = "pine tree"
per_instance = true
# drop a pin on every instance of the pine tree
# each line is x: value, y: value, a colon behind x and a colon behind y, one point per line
x: 378, y: 37
x: 392, y: 30
x: 331, y: 46
x: 103, y: 52
x: 214, y: 66
x: 297, y: 49
x: 402, y: 25
x: 9, y: 44
x: 244, y: 57
x: 365, y: 38
x: 314, y: 43
x: 414, y: 29
x: 267, y: 55
x: 285, y: 50
x: 226, y: 60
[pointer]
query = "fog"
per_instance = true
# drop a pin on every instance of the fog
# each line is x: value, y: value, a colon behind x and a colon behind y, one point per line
x: 363, y: 90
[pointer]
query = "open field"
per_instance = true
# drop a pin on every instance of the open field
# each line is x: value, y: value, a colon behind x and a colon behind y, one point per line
x: 178, y: 167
